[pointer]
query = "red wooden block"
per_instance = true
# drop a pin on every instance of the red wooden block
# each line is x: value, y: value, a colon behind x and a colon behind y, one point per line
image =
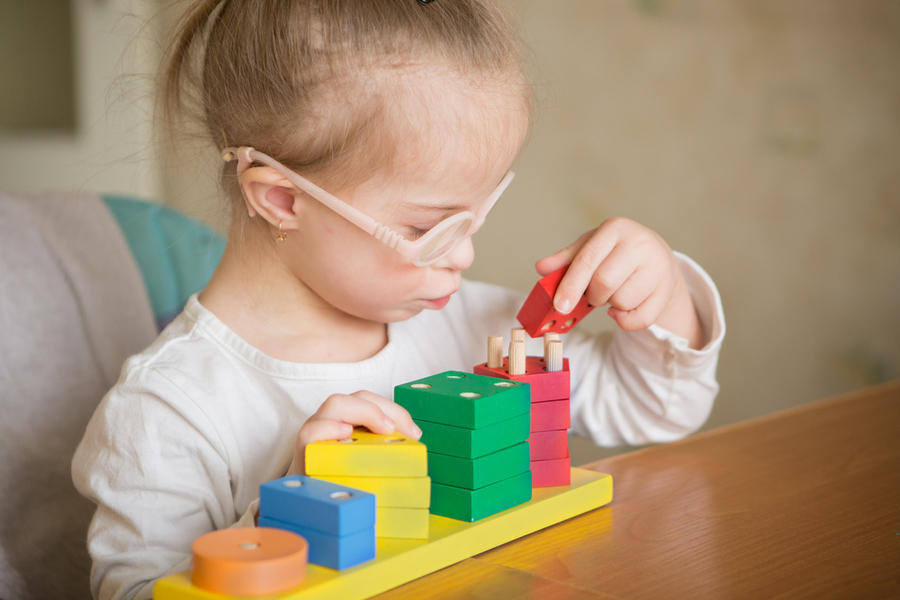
x: 538, y: 316
x: 549, y: 473
x: 546, y: 445
x: 547, y: 416
x: 545, y: 385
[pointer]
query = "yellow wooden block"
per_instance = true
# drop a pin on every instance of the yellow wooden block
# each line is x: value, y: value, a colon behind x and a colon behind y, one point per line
x: 368, y: 454
x: 449, y: 541
x: 408, y: 523
x: 398, y: 492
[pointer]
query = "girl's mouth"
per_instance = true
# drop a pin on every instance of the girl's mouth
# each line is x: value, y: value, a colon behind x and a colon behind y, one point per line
x: 438, y: 303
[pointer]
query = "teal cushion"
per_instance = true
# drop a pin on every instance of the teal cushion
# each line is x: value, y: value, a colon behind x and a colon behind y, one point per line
x: 176, y: 254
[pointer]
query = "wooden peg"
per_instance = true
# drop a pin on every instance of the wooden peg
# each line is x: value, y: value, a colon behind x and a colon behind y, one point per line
x: 549, y: 337
x: 517, y: 357
x: 518, y: 334
x: 495, y: 351
x: 553, y: 359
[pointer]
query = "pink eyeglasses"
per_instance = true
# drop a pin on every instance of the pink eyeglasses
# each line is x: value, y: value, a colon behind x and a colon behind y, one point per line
x: 437, y: 243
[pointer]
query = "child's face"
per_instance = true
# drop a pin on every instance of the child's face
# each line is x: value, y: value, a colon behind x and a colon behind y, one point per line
x: 453, y: 161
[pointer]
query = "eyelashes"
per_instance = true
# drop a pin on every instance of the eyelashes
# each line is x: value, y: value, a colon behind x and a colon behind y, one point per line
x: 416, y: 232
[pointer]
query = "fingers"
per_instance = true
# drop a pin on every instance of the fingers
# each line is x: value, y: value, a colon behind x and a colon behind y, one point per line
x: 621, y: 263
x: 584, y: 267
x: 356, y: 410
x: 315, y: 430
x: 612, y: 277
x: 641, y: 317
x: 340, y: 412
x: 629, y: 289
x: 396, y: 413
x: 376, y: 413
x: 639, y: 300
x: 557, y: 261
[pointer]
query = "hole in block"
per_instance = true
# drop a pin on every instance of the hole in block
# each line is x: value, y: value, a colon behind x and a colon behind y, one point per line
x: 420, y: 386
x: 456, y: 376
x: 341, y: 494
x: 548, y: 325
x: 347, y: 441
x: 392, y: 440
x: 504, y: 384
x: 470, y: 395
x: 248, y: 546
x: 570, y: 322
x: 293, y: 483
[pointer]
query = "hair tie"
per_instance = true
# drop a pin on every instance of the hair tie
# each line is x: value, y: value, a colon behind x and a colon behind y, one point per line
x: 424, y: 2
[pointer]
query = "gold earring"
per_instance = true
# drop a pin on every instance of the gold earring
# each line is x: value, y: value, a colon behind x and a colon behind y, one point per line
x: 282, y: 234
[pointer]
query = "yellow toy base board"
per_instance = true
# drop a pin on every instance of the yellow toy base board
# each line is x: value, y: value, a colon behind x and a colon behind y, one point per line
x: 449, y: 541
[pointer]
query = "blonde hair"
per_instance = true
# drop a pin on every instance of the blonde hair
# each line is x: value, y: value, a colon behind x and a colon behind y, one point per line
x: 308, y: 81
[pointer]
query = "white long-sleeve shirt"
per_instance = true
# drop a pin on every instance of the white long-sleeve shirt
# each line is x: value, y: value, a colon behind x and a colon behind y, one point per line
x: 200, y: 419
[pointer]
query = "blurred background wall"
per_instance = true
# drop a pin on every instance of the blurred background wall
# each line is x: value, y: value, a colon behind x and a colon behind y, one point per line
x: 75, y: 96
x: 761, y: 137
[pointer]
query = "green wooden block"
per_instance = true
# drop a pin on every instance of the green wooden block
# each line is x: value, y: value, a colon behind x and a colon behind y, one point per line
x: 464, y: 399
x: 472, y: 474
x: 472, y: 443
x: 471, y: 505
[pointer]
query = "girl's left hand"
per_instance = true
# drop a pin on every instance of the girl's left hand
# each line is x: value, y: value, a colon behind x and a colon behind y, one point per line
x: 631, y: 268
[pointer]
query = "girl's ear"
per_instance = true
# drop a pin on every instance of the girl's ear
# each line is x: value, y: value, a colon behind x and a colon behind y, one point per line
x: 273, y: 197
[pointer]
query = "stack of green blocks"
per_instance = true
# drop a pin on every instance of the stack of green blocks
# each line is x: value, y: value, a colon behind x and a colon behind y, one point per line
x: 476, y: 429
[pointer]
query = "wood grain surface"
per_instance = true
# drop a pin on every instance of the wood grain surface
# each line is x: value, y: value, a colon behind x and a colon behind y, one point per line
x: 803, y: 503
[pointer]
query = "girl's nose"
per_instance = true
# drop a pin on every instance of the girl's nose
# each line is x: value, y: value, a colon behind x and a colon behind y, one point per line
x: 460, y: 258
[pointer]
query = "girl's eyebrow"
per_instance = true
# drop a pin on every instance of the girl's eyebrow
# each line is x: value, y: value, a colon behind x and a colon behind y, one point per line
x: 436, y: 207
x: 442, y: 207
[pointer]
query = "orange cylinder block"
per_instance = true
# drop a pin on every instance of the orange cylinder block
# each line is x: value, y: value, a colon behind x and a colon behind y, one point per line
x: 249, y: 561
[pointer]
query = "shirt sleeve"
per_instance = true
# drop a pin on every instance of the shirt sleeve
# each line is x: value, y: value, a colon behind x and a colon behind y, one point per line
x: 160, y: 479
x: 647, y: 386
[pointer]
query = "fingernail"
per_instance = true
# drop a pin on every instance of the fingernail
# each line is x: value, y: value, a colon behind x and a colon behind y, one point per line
x: 389, y: 424
x: 563, y: 305
x: 417, y: 431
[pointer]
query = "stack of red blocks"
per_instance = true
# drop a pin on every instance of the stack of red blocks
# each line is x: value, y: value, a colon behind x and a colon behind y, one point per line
x: 550, y: 420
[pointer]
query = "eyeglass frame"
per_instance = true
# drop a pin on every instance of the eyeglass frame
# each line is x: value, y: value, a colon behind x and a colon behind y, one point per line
x: 411, y: 249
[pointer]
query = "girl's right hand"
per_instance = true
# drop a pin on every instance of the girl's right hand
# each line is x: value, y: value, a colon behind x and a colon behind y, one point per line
x: 340, y: 412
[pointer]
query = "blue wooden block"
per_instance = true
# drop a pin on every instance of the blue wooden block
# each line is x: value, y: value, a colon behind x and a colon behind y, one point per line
x: 334, y: 552
x: 317, y: 504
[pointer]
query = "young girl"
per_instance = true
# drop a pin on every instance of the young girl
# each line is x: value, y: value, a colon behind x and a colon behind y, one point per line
x: 329, y: 114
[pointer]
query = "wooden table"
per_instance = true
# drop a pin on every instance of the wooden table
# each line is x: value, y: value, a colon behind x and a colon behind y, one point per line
x: 803, y: 503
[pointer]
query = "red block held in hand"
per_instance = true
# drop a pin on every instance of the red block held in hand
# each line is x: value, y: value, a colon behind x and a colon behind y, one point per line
x: 538, y: 316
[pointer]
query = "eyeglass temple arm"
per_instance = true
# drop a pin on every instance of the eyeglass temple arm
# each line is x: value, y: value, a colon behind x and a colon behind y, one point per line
x: 247, y: 156
x: 492, y: 199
